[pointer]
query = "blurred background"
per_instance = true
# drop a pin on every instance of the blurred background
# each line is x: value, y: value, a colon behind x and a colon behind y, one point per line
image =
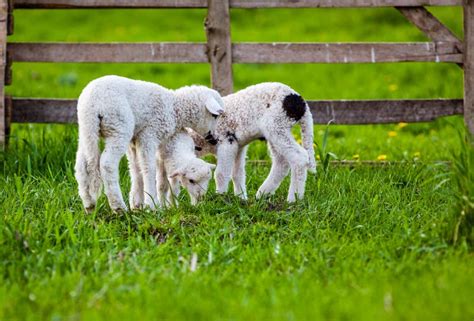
x: 313, y: 81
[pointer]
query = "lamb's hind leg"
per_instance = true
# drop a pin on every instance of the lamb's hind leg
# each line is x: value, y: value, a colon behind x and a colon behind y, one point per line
x: 86, y: 175
x: 136, y: 189
x: 278, y: 172
x: 115, y: 148
x: 296, y: 156
x: 238, y: 173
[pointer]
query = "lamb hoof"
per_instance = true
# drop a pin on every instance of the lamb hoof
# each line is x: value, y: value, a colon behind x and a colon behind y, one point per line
x: 135, y: 207
x: 90, y: 209
x: 119, y: 208
x: 242, y: 196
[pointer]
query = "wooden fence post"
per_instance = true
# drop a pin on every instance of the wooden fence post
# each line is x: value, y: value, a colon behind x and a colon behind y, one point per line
x: 469, y: 65
x: 219, y: 45
x: 3, y: 61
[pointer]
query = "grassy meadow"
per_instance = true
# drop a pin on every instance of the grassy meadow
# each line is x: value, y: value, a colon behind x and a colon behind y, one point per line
x: 367, y: 243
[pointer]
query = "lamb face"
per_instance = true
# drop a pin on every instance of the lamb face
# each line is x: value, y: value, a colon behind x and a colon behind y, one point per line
x: 195, y: 177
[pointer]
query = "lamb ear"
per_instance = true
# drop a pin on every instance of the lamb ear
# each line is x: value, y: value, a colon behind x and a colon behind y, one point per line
x: 213, y: 106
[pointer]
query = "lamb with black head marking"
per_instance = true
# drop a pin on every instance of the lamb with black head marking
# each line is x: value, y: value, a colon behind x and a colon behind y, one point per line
x: 264, y: 111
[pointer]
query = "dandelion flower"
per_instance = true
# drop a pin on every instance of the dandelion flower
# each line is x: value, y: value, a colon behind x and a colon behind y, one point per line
x: 317, y: 157
x: 402, y: 125
x: 382, y: 157
x: 393, y: 87
x: 417, y: 154
x: 356, y: 156
x: 392, y: 133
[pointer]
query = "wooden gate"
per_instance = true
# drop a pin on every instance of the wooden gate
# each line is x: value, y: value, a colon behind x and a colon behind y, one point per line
x: 220, y: 52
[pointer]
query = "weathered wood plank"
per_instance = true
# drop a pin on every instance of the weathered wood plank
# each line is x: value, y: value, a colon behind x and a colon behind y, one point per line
x: 339, y: 3
x: 219, y: 47
x: 241, y: 52
x: 62, y: 4
x: 469, y: 65
x: 8, y: 70
x: 3, y: 62
x: 383, y: 111
x: 58, y: 4
x: 27, y: 110
x: 429, y: 25
x: 345, y: 52
x: 108, y: 52
x: 10, y: 22
x: 8, y: 116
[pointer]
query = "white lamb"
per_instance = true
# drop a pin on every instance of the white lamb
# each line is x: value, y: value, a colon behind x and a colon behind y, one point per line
x: 139, y: 116
x: 264, y: 111
x: 179, y: 166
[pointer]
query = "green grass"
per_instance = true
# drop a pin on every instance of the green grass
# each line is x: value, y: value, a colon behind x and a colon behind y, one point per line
x: 367, y: 243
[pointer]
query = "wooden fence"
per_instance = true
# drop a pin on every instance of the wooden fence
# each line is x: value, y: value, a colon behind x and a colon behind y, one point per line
x: 221, y: 53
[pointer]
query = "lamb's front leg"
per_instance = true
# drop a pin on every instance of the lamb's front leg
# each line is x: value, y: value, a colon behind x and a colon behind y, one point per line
x: 146, y: 151
x: 136, y: 189
x: 226, y: 152
x: 238, y: 173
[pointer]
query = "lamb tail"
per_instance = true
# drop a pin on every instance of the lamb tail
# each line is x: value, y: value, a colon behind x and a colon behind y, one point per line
x: 306, y: 123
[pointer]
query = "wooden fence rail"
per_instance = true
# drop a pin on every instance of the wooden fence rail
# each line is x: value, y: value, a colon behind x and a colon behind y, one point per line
x: 241, y: 52
x: 250, y: 4
x: 63, y: 111
x: 221, y: 53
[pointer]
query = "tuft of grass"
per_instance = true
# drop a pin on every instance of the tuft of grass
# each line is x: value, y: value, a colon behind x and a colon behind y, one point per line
x: 463, y: 178
x: 325, y: 156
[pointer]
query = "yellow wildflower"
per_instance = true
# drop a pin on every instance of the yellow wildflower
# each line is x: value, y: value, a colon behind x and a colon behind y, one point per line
x: 317, y: 157
x: 392, y: 133
x: 393, y: 87
x: 356, y: 156
x: 417, y: 154
x: 402, y: 125
x: 382, y: 157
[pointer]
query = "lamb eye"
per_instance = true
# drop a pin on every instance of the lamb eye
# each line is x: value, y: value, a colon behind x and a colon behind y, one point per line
x: 192, y: 181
